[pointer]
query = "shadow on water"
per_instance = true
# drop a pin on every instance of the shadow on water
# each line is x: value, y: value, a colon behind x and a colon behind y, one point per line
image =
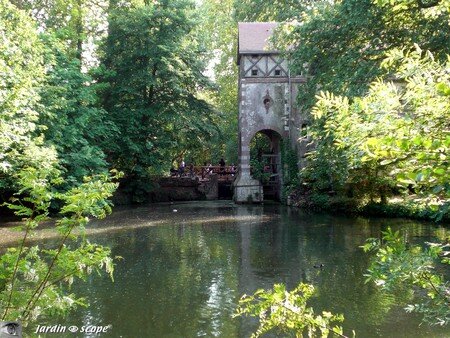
x: 183, y: 272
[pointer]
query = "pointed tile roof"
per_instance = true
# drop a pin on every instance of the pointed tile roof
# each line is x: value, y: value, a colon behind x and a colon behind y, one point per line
x: 254, y: 37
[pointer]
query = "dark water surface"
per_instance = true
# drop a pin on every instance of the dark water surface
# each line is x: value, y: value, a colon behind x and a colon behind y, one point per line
x: 183, y: 272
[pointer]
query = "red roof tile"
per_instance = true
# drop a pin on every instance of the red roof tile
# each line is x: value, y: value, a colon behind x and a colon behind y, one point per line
x: 254, y: 37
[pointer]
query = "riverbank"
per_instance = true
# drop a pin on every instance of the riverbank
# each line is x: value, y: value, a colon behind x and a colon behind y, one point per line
x: 411, y: 207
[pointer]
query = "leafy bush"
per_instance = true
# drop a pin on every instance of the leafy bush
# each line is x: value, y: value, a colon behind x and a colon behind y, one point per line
x: 397, y: 264
x: 33, y: 280
x: 289, y: 164
x: 288, y: 312
x: 394, y: 139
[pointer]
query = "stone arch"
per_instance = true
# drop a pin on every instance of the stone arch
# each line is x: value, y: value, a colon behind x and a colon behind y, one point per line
x: 268, y: 130
x: 275, y: 136
x: 247, y: 189
x: 271, y: 174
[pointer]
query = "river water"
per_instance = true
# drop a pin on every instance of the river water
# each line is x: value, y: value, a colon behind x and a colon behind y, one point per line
x: 185, y: 265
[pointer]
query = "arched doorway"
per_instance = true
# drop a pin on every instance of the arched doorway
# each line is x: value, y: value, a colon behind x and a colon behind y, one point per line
x: 265, y: 162
x: 250, y: 188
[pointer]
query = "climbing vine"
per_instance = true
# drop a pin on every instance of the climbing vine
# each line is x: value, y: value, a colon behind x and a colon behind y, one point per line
x: 289, y: 165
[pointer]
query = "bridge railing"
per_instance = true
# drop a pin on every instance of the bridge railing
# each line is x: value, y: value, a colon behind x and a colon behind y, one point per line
x: 224, y: 173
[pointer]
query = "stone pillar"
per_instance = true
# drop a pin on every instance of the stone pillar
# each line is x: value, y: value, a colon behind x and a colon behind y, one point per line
x: 246, y: 189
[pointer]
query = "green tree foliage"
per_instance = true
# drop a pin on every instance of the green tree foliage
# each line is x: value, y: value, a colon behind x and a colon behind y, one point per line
x: 21, y: 74
x: 289, y: 162
x: 433, y: 7
x: 341, y: 44
x: 80, y: 24
x: 397, y: 136
x: 34, y: 281
x: 397, y: 264
x: 418, y: 145
x: 74, y: 122
x: 277, y: 10
x: 259, y: 146
x: 153, y: 69
x: 338, y: 164
x: 288, y: 313
x: 44, y: 93
x: 220, y: 30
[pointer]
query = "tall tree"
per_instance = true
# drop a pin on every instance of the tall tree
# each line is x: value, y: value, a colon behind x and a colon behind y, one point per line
x: 74, y: 121
x: 220, y: 31
x: 22, y: 74
x: 372, y: 141
x: 69, y: 108
x: 154, y: 70
x: 341, y: 45
x: 80, y: 24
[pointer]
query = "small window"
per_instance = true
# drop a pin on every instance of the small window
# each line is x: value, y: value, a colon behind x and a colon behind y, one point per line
x: 254, y: 72
x: 277, y: 72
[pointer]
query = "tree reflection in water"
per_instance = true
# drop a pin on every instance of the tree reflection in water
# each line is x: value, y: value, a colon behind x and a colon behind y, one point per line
x: 183, y: 278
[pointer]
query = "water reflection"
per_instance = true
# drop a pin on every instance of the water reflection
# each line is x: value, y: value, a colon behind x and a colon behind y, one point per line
x: 183, y: 277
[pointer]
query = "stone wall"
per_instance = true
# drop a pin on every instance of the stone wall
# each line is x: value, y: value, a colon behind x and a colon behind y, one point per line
x: 176, y: 189
x: 167, y: 189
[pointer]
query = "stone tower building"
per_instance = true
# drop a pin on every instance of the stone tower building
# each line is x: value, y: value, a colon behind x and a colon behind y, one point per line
x: 267, y: 96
